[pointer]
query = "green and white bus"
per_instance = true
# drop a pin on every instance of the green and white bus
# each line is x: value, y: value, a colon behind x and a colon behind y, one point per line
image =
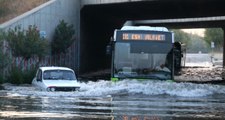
x: 142, y: 53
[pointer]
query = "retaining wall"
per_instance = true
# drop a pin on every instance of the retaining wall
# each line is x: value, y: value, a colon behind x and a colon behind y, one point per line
x: 46, y: 17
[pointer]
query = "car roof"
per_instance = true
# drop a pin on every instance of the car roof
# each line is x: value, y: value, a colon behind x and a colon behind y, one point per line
x: 54, y: 68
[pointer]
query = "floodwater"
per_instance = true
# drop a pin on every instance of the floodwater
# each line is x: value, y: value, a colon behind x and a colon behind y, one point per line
x: 123, y: 100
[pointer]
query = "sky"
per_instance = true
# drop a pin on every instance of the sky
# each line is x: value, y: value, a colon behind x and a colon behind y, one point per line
x: 198, y: 31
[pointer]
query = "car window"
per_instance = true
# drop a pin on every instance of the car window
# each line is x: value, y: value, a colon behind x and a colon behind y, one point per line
x: 39, y: 75
x: 58, y: 75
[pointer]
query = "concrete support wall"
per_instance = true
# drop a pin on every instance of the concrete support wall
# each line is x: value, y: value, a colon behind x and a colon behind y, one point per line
x: 47, y: 16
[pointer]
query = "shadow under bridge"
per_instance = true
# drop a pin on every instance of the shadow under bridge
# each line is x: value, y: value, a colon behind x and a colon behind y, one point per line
x: 98, y: 23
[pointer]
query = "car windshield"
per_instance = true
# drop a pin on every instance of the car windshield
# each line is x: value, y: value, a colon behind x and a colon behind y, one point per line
x: 58, y: 75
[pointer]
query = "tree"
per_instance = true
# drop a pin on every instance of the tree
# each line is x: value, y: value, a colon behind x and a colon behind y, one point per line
x: 181, y: 36
x: 197, y: 44
x: 27, y: 44
x: 4, y: 58
x: 214, y: 35
x: 193, y: 43
x: 63, y: 38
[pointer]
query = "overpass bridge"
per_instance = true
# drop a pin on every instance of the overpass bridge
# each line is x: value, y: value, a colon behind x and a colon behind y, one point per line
x: 97, y: 2
x: 99, y: 18
x: 96, y: 20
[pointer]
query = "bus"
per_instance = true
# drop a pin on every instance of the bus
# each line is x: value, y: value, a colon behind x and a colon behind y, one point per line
x: 142, y: 53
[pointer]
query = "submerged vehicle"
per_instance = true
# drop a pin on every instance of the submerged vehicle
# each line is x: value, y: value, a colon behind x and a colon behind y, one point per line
x: 56, y: 79
x: 142, y: 53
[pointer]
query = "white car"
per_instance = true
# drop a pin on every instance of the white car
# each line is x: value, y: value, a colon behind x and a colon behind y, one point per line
x: 56, y: 79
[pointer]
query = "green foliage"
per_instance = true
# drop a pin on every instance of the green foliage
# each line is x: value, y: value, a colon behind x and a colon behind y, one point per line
x: 181, y: 36
x: 1, y: 79
x: 214, y: 35
x: 2, y: 35
x: 4, y: 58
x: 193, y: 43
x: 63, y: 38
x: 28, y: 75
x: 197, y: 44
x: 18, y: 76
x: 27, y: 44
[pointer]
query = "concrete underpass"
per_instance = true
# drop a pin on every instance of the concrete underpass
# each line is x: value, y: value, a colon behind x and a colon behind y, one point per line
x: 98, y: 22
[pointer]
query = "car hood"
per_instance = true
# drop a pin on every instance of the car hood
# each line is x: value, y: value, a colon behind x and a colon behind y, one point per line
x: 61, y: 83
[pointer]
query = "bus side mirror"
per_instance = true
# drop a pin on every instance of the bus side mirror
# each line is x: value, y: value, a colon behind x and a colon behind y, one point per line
x: 108, y: 50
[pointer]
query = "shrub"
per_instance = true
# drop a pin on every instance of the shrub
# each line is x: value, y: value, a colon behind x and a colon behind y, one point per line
x: 4, y: 58
x: 25, y: 44
x: 1, y: 79
x: 28, y: 75
x: 28, y: 43
x: 16, y: 76
x: 63, y: 38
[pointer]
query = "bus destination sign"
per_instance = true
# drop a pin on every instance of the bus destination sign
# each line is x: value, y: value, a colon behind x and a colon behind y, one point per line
x: 141, y: 36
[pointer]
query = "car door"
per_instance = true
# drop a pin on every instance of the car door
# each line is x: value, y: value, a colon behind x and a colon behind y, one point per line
x: 39, y: 80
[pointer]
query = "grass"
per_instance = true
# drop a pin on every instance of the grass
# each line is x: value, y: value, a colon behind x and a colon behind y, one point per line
x: 10, y: 9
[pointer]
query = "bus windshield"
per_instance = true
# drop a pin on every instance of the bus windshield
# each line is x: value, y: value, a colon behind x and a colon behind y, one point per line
x: 133, y: 63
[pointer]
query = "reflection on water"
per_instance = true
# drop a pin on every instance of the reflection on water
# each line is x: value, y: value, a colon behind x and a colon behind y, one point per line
x: 125, y: 100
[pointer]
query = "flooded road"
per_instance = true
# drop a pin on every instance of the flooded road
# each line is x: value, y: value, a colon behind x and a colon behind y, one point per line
x: 124, y: 100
